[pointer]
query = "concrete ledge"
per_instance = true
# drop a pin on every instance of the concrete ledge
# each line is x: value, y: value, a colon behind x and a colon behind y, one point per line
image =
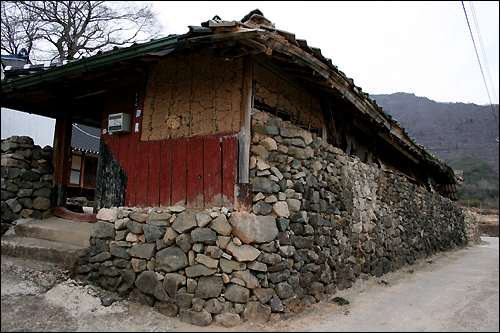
x: 57, y: 230
x: 41, y: 249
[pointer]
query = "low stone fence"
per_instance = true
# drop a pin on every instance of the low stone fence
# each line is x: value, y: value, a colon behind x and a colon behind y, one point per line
x: 320, y: 221
x: 26, y: 179
x: 472, y: 227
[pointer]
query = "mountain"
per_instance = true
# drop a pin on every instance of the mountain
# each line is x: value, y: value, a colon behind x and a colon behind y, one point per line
x: 450, y: 131
x: 463, y: 135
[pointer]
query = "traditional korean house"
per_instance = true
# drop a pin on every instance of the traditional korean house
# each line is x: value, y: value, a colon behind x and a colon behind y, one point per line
x: 175, y: 114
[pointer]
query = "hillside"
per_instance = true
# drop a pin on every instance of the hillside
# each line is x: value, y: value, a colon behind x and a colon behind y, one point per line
x: 450, y: 131
x: 462, y: 135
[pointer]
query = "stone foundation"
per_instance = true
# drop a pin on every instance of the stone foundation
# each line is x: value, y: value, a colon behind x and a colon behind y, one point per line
x: 321, y: 219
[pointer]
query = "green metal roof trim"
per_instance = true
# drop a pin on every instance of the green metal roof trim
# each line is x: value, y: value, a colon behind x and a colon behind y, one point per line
x: 93, y: 62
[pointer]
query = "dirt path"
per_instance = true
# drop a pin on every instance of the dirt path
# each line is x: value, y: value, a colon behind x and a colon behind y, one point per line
x: 454, y: 291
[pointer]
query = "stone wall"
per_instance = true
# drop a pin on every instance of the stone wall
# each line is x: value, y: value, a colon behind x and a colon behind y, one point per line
x: 321, y: 219
x: 26, y: 179
x: 472, y: 229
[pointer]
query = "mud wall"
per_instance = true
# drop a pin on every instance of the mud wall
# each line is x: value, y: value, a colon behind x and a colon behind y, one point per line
x: 321, y: 219
x: 277, y: 93
x: 190, y: 95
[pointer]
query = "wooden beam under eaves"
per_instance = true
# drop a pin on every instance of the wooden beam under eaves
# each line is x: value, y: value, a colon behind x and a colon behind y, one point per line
x: 393, y: 143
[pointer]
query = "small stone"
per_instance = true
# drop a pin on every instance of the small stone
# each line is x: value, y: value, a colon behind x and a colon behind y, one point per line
x: 207, y: 261
x: 243, y: 252
x: 167, y: 308
x: 202, y: 219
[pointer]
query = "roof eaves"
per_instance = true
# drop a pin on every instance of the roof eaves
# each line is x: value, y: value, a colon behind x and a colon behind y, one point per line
x: 90, y: 63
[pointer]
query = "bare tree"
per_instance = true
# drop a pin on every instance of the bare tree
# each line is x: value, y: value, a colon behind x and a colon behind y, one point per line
x: 67, y: 30
x: 19, y: 29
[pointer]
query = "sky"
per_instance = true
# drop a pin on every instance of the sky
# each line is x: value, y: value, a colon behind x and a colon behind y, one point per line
x: 424, y: 48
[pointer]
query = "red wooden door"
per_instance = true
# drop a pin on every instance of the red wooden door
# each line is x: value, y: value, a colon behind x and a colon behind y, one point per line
x: 194, y: 172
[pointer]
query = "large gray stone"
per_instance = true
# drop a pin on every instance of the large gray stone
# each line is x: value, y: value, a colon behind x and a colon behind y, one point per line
x: 251, y: 282
x: 138, y: 216
x: 134, y: 227
x: 255, y: 312
x: 147, y: 281
x: 138, y: 296
x: 264, y: 185
x: 119, y: 251
x: 250, y: 228
x: 107, y: 214
x: 145, y: 251
x: 209, y: 287
x: 159, y: 219
x: 184, y: 222
x: 228, y: 319
x: 262, y: 208
x: 152, y: 232
x: 184, y: 242
x: 236, y: 293
x: 167, y: 308
x: 203, y: 235
x: 103, y: 230
x: 228, y: 266
x: 284, y: 290
x: 221, y: 225
x: 172, y: 281
x: 202, y: 318
x: 199, y: 270
x: 184, y: 300
x: 42, y: 203
x: 171, y: 259
x: 263, y: 294
x: 213, y: 306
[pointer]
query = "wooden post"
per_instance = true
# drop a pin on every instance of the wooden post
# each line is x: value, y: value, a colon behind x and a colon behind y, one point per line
x: 244, y: 189
x: 62, y: 153
x: 246, y: 113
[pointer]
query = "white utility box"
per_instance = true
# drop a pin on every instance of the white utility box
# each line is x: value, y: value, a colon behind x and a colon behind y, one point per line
x: 119, y: 123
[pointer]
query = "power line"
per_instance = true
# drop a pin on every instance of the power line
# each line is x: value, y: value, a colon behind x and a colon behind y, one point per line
x: 482, y: 49
x: 481, y: 67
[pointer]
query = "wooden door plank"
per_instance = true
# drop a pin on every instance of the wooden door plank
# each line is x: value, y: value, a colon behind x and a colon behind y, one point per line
x: 212, y: 172
x: 165, y: 172
x: 229, y: 167
x: 154, y: 174
x: 141, y: 187
x: 194, y: 160
x: 179, y: 172
x: 131, y: 171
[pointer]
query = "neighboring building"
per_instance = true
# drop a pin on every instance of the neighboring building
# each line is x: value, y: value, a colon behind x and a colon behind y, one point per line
x: 175, y: 114
x: 84, y: 158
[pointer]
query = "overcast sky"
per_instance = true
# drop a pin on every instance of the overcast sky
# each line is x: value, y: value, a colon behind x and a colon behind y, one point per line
x: 423, y: 48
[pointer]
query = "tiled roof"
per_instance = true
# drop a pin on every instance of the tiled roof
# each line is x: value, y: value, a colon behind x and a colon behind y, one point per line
x: 85, y: 138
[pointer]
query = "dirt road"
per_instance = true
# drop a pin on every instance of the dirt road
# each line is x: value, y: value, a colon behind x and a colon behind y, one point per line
x: 454, y: 291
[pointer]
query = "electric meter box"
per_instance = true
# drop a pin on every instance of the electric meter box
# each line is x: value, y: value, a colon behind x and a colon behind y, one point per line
x: 119, y: 123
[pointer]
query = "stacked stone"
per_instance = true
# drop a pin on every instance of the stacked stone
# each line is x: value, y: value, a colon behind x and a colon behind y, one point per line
x: 344, y: 218
x: 472, y: 227
x: 320, y: 220
x: 26, y: 179
x: 207, y: 266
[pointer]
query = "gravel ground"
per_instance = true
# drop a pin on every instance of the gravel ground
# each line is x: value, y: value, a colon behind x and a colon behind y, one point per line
x: 452, y: 291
